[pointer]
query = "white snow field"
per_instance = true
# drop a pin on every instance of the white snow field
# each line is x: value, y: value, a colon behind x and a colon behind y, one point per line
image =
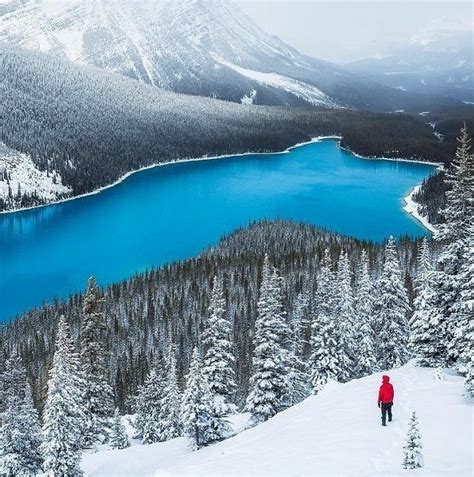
x: 338, y: 432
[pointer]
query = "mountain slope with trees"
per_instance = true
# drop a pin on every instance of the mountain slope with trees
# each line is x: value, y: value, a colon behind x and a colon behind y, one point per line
x: 111, y: 125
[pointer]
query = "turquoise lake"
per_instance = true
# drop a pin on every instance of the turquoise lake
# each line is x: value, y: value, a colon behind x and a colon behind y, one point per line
x: 174, y: 212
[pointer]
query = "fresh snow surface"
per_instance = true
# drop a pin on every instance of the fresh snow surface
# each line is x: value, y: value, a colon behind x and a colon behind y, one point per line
x: 305, y: 91
x: 337, y: 432
x: 23, y: 171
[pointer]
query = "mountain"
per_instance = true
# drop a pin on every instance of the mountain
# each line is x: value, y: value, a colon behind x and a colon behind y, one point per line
x: 207, y: 48
x: 337, y: 432
x: 436, y: 61
x: 110, y: 125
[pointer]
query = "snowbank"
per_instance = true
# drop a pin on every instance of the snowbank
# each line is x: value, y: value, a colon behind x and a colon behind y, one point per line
x: 335, y: 433
x: 412, y: 208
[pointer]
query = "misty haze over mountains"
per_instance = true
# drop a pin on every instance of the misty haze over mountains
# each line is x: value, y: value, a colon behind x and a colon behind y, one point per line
x: 204, y: 48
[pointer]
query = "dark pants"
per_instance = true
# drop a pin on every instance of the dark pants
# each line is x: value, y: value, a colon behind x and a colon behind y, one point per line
x: 386, y: 409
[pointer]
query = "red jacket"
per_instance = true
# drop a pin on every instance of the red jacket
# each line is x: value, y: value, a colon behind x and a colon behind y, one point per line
x: 386, y: 392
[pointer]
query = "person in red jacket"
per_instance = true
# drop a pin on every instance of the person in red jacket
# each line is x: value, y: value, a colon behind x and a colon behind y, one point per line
x: 385, y: 399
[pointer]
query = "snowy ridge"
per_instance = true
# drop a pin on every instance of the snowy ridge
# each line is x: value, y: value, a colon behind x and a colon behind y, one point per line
x: 337, y: 432
x: 307, y: 92
x: 161, y: 42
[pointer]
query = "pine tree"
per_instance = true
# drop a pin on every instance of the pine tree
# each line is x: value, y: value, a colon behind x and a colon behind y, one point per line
x: 151, y: 405
x: 170, y: 414
x: 219, y: 361
x: 269, y: 381
x: 464, y: 332
x: 118, y: 435
x: 63, y: 416
x: 323, y: 360
x: 20, y: 436
x: 299, y: 383
x: 197, y: 406
x: 345, y: 319
x: 393, y: 306
x: 98, y: 394
x: 364, y: 327
x: 412, y: 455
x: 14, y: 377
x: 454, y: 234
x: 428, y: 330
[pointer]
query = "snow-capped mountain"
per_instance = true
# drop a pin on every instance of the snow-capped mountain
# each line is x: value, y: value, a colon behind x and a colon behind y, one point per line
x: 436, y: 61
x: 208, y: 48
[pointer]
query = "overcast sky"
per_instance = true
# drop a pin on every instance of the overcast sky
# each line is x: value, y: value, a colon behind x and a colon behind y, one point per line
x: 343, y: 31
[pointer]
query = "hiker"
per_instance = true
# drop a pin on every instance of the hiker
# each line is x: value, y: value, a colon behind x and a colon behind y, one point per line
x: 385, y: 400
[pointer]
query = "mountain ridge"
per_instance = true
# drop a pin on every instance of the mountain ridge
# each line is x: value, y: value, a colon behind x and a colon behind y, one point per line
x: 174, y: 45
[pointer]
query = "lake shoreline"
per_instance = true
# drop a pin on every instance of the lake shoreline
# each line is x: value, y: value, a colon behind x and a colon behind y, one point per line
x: 410, y: 205
x: 166, y: 163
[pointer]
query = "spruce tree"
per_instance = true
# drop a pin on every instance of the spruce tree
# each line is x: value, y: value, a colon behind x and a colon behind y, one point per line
x: 197, y: 406
x: 464, y: 332
x: 14, y: 377
x: 170, y: 414
x: 219, y: 361
x: 151, y: 400
x: 364, y: 348
x: 345, y: 319
x: 323, y: 362
x: 118, y: 435
x: 299, y: 384
x: 20, y: 436
x: 270, y: 368
x: 63, y: 417
x: 428, y: 330
x: 453, y: 235
x: 393, y: 306
x: 97, y: 393
x: 412, y: 450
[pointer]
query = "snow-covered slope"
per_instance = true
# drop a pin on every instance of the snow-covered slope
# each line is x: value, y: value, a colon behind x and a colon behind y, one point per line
x: 174, y: 45
x: 163, y: 42
x: 337, y: 432
x: 20, y: 176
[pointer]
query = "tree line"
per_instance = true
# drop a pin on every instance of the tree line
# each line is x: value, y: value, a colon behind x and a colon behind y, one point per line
x: 331, y: 317
x: 91, y: 127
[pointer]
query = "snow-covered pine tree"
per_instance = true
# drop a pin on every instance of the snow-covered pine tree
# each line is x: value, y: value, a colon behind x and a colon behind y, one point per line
x: 464, y: 332
x: 428, y: 330
x: 197, y: 406
x: 118, y: 435
x: 300, y: 325
x: 219, y: 360
x: 63, y: 417
x: 323, y: 362
x: 365, y: 358
x: 170, y: 414
x: 20, y: 436
x: 453, y: 234
x: 270, y: 368
x: 299, y: 383
x: 151, y: 400
x: 412, y: 450
x: 14, y: 377
x: 392, y: 308
x: 97, y: 393
x: 345, y: 319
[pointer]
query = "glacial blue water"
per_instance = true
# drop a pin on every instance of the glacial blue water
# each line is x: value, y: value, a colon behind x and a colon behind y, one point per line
x: 170, y: 213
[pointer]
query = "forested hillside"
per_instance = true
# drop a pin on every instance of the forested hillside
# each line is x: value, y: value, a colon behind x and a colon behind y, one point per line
x: 90, y: 127
x: 273, y: 313
x: 143, y: 313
